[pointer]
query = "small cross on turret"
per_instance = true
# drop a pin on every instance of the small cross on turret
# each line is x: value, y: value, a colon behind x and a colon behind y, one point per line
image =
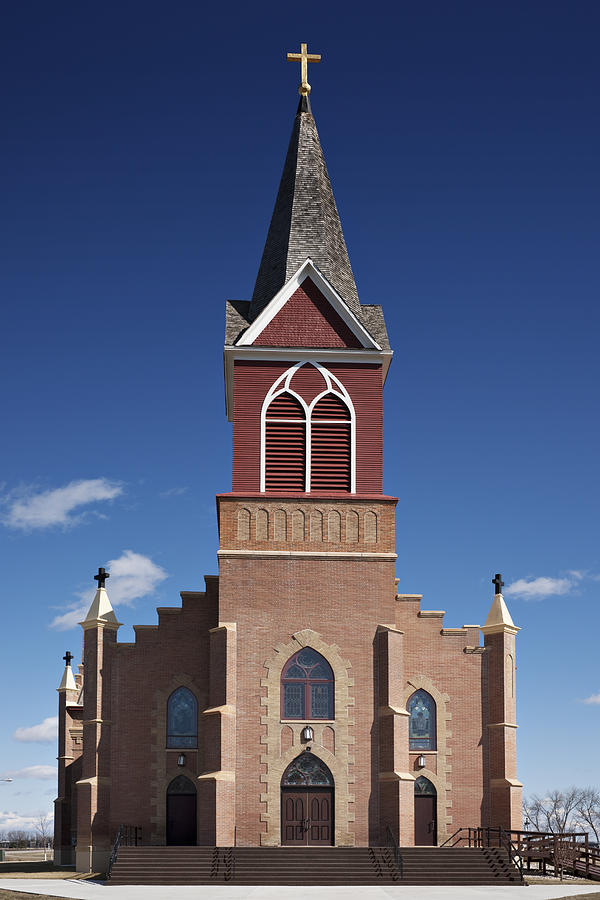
x: 68, y: 657
x: 101, y: 577
x: 497, y: 580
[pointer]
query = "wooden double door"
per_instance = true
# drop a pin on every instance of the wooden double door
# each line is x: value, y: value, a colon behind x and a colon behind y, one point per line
x: 425, y: 821
x: 307, y: 817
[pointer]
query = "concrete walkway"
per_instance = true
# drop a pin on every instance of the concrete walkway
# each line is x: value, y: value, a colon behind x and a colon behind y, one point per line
x: 94, y: 890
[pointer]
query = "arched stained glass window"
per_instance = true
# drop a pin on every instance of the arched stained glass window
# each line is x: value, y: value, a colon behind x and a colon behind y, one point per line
x: 307, y: 686
x: 424, y: 788
x: 422, y: 732
x: 307, y: 770
x: 182, y: 719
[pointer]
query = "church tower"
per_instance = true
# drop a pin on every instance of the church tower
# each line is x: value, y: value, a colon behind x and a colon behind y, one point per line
x: 306, y: 554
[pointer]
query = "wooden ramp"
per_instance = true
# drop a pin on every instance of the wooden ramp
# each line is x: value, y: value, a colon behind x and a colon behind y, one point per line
x: 313, y: 866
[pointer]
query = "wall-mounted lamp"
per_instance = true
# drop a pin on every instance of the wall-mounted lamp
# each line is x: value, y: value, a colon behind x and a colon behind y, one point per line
x: 307, y: 734
x: 421, y: 761
x: 181, y: 759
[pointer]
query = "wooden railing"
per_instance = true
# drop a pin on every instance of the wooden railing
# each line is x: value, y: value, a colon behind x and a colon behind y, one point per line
x: 570, y: 851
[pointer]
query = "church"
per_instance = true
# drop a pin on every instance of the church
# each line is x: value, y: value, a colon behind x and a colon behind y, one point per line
x: 299, y: 699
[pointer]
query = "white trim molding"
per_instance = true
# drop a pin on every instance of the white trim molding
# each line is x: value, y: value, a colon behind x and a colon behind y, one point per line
x: 307, y: 270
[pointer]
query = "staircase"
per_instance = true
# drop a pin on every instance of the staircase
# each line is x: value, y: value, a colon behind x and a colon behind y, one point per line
x: 313, y: 866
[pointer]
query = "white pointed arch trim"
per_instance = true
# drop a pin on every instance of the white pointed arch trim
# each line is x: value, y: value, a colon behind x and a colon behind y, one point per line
x: 307, y: 270
x: 281, y: 385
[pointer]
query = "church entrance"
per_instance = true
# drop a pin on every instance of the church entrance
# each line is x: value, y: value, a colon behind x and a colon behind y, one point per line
x: 181, y: 812
x: 425, y: 813
x: 307, y: 803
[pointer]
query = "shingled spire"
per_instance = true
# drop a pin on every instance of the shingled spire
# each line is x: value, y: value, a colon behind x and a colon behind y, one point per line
x: 305, y: 221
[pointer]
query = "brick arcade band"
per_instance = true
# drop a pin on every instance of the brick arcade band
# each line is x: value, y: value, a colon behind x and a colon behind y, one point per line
x: 299, y: 699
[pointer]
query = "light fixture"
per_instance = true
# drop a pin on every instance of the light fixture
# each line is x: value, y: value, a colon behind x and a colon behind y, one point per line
x: 307, y: 734
x: 181, y: 759
x: 421, y: 761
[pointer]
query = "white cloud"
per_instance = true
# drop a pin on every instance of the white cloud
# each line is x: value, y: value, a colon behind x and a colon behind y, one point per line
x: 132, y: 575
x: 44, y: 773
x: 13, y: 821
x: 542, y: 587
x: 45, y: 732
x: 594, y: 699
x: 57, y: 507
x: 174, y: 492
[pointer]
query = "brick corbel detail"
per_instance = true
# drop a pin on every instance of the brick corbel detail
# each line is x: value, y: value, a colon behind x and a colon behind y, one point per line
x: 340, y: 761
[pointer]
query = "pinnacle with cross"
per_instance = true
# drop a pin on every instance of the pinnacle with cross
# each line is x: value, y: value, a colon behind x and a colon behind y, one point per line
x: 497, y: 580
x: 68, y: 657
x: 304, y: 57
x: 101, y: 577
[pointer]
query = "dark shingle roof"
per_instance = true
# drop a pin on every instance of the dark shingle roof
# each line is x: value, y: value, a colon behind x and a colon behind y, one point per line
x: 305, y: 221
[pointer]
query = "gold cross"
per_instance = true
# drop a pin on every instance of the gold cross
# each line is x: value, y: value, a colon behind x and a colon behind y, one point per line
x: 304, y: 57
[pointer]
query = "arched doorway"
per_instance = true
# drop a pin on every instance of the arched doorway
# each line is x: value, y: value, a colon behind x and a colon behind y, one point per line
x: 181, y: 812
x: 425, y: 813
x: 307, y: 803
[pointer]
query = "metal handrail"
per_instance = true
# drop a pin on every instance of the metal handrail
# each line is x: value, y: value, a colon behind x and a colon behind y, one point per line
x: 128, y: 836
x: 393, y: 844
x: 115, y: 850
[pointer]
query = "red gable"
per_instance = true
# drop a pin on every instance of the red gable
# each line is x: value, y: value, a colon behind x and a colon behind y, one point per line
x: 307, y: 320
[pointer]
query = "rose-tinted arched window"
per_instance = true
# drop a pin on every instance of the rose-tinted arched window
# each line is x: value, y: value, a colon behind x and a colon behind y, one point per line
x: 307, y: 686
x: 421, y: 707
x: 307, y: 770
x: 182, y: 719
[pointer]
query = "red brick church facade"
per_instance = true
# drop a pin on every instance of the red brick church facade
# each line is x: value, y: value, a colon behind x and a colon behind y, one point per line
x: 299, y: 699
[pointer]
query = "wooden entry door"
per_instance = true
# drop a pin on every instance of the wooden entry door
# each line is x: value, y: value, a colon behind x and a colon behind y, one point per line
x: 181, y: 819
x: 425, y: 821
x: 307, y: 818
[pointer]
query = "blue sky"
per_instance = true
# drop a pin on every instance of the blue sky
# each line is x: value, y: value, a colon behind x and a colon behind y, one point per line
x: 142, y: 148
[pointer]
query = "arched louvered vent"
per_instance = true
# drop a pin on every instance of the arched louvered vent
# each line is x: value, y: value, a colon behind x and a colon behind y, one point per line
x: 285, y: 444
x: 330, y: 445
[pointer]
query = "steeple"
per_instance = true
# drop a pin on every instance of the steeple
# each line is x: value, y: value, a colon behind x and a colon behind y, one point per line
x: 101, y: 608
x: 68, y: 681
x: 305, y: 221
x: 499, y: 619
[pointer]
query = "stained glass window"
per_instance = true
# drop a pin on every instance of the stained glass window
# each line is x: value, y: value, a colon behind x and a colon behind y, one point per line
x: 422, y: 735
x: 307, y: 687
x: 307, y: 770
x: 182, y: 719
x: 181, y: 785
x: 424, y: 788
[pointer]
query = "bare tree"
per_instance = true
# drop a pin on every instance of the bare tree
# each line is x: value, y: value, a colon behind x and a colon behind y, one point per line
x: 18, y: 837
x: 588, y: 810
x: 556, y: 813
x: 43, y: 828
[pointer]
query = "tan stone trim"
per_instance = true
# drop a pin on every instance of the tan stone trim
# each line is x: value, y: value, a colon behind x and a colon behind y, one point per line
x: 431, y: 613
x: 219, y: 775
x: 100, y: 623
x: 477, y: 649
x: 382, y: 628
x: 392, y: 711
x: 502, y: 725
x: 499, y: 629
x: 302, y: 554
x: 97, y: 722
x: 462, y: 630
x: 65, y: 757
x: 409, y: 598
x: 511, y: 782
x: 340, y: 762
x: 224, y: 626
x: 440, y: 780
x: 396, y: 776
x: 225, y: 710
x: 160, y: 775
